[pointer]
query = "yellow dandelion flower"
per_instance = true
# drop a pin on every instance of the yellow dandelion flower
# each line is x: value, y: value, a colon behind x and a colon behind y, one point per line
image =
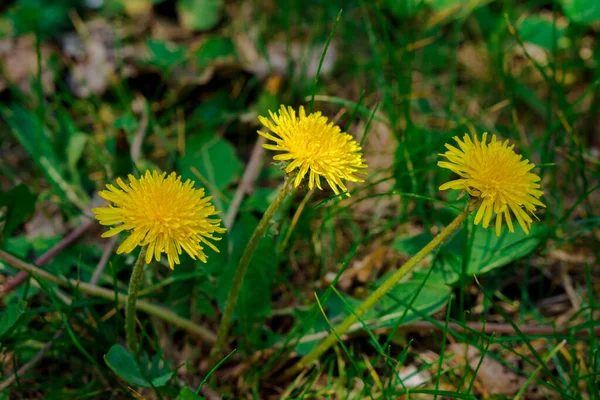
x: 498, y: 176
x: 315, y: 146
x: 160, y: 212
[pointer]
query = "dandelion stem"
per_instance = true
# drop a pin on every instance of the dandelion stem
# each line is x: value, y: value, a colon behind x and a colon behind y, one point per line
x: 240, y: 273
x: 374, y: 298
x: 156, y: 310
x: 134, y: 285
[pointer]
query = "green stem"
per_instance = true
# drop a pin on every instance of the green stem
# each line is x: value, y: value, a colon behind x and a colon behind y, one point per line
x: 109, y: 294
x: 134, y: 285
x: 242, y: 268
x: 374, y: 298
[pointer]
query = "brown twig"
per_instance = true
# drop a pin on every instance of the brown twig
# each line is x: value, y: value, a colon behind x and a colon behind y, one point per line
x: 250, y: 175
x: 162, y: 312
x: 47, y: 256
x: 487, y: 328
x: 31, y: 363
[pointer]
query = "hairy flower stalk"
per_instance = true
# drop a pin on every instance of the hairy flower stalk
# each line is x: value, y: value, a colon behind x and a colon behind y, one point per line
x: 310, y: 145
x: 499, y: 182
x: 161, y: 215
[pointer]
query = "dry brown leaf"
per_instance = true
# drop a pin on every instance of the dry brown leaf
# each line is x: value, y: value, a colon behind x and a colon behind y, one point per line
x: 494, y: 377
x: 94, y: 55
x: 362, y: 270
x: 305, y: 57
x: 18, y: 61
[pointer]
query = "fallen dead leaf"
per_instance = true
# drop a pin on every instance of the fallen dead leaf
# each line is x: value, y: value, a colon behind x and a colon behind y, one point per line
x: 18, y: 63
x: 94, y: 56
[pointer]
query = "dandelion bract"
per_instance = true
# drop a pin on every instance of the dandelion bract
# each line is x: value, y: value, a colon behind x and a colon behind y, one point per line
x: 312, y: 145
x: 161, y: 212
x: 498, y: 176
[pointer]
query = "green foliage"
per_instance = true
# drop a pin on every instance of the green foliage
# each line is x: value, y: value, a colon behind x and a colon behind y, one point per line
x: 581, y: 11
x: 40, y: 17
x: 145, y: 374
x: 164, y: 56
x: 199, y: 15
x: 540, y: 31
x: 433, y: 69
x: 254, y: 301
x: 20, y: 205
x: 10, y: 315
x: 214, y: 158
x: 187, y: 394
x: 214, y: 48
x: 402, y: 9
x: 485, y: 251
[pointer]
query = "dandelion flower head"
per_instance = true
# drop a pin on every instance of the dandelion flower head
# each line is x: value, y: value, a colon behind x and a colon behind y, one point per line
x: 162, y: 213
x: 498, y: 176
x: 313, y: 146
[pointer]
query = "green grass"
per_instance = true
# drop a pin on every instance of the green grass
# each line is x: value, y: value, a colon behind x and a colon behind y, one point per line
x: 407, y: 77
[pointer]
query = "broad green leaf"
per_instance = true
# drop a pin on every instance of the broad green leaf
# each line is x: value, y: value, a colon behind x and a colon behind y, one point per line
x: 11, y: 314
x: 123, y: 363
x: 19, y: 246
x: 156, y: 370
x: 540, y: 31
x: 487, y: 252
x: 35, y: 138
x: 582, y: 11
x: 215, y: 111
x: 404, y: 8
x: 215, y: 48
x: 490, y: 251
x: 214, y: 158
x: 443, y: 5
x: 187, y: 394
x: 75, y: 149
x: 163, y: 55
x: 199, y: 15
x: 428, y: 298
x: 41, y: 17
x: 254, y: 301
x: 20, y: 206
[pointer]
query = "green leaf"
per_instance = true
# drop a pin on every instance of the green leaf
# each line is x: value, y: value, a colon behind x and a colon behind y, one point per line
x: 215, y: 48
x: 20, y: 206
x: 163, y: 55
x: 75, y: 149
x: 123, y: 363
x: 187, y: 394
x: 540, y: 31
x: 199, y: 15
x: 41, y: 17
x: 582, y: 11
x: 404, y: 8
x: 156, y: 370
x: 487, y: 252
x: 11, y: 314
x: 36, y: 139
x: 214, y: 158
x: 490, y: 251
x: 254, y: 301
x: 443, y: 5
x: 428, y: 299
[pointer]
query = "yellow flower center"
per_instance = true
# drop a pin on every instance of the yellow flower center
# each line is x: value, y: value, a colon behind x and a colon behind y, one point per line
x: 162, y: 213
x: 496, y: 174
x: 312, y: 145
